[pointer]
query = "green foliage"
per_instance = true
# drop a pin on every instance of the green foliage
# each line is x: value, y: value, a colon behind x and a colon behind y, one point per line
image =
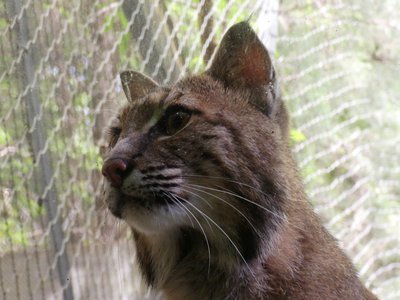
x: 297, y: 136
x: 4, y: 137
x: 10, y: 230
x: 3, y: 24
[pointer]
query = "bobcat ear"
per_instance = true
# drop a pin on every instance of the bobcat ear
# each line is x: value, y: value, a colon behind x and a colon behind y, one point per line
x: 242, y: 62
x: 136, y: 85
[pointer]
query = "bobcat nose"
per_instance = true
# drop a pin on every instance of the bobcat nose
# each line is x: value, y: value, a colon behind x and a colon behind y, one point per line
x: 114, y: 170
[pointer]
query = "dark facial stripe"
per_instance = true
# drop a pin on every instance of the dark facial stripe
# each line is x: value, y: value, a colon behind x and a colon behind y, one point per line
x: 157, y: 168
x: 206, y: 137
x: 209, y: 156
x: 138, y: 155
x: 200, y: 168
x: 160, y: 177
x: 161, y: 185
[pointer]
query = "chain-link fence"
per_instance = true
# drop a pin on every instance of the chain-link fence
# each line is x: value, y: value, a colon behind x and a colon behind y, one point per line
x: 338, y: 63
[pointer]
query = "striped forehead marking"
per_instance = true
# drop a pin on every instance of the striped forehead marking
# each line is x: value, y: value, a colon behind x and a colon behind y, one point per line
x: 157, y: 102
x: 157, y: 113
x: 164, y: 100
x: 157, y: 110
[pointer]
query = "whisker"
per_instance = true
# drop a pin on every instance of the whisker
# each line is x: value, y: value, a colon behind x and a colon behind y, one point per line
x: 281, y: 217
x: 219, y: 227
x: 230, y: 180
x: 240, y: 197
x: 177, y: 202
x: 204, y: 200
x: 223, y: 200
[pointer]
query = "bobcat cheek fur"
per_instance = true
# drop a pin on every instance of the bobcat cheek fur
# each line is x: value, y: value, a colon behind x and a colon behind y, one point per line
x: 203, y: 174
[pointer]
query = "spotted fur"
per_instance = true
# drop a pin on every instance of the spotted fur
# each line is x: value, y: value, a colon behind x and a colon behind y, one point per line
x: 203, y: 174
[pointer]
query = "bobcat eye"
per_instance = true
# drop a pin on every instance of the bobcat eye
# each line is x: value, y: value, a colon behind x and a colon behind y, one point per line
x: 114, y: 133
x: 175, y: 120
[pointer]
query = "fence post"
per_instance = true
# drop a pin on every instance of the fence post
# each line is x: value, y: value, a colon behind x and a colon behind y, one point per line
x: 38, y: 141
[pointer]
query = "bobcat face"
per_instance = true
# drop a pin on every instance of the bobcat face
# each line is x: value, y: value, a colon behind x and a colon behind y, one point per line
x: 173, y: 152
x: 190, y: 156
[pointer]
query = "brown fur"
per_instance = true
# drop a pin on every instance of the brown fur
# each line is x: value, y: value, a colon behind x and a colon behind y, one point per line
x: 235, y: 223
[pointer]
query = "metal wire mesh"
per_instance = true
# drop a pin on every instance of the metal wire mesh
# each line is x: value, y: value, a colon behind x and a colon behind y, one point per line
x: 338, y: 63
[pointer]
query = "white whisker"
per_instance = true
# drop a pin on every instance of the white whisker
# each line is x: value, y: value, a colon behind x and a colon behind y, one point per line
x: 240, y: 197
x: 219, y: 227
x: 177, y: 202
x: 223, y: 190
x: 226, y: 202
x: 170, y: 196
x: 230, y: 180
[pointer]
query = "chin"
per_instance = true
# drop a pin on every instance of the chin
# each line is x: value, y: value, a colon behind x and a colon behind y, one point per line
x: 152, y: 218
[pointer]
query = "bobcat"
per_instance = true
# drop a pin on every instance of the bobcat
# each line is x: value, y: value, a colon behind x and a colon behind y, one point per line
x: 203, y: 174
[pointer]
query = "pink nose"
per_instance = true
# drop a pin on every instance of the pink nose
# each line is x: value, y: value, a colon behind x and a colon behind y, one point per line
x: 113, y: 170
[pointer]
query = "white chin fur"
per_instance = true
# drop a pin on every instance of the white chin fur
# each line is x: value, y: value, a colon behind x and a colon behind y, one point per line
x: 155, y: 220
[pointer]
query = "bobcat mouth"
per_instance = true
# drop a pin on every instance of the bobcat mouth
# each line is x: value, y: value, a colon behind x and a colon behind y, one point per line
x: 117, y: 208
x: 123, y: 202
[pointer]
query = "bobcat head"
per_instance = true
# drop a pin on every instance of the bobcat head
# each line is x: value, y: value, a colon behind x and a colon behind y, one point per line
x: 206, y: 150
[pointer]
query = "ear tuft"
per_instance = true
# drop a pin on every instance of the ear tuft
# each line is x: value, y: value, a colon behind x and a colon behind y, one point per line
x: 136, y: 85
